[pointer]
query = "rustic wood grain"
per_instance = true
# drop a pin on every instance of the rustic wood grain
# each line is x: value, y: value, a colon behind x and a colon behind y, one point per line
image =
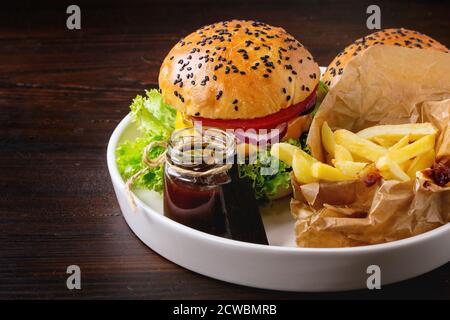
x: 63, y: 92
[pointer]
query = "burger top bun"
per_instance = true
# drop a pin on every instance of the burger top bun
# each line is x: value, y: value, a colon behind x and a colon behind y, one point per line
x: 237, y: 70
x: 399, y: 37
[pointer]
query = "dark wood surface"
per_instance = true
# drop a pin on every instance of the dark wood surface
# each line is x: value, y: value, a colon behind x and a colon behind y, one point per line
x: 62, y: 93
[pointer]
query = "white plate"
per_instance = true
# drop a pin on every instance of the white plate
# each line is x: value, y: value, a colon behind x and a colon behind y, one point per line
x: 281, y: 265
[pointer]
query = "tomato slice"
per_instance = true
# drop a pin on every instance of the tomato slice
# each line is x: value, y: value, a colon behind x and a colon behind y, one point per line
x: 267, y: 122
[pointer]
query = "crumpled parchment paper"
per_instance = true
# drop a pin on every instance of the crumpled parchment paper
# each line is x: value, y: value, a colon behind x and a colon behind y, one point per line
x: 385, y: 85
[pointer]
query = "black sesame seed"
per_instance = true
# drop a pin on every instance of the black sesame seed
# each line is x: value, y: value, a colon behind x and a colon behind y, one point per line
x: 193, y: 82
x: 219, y: 94
x: 290, y: 79
x: 265, y: 75
x: 288, y: 98
x: 199, y: 65
x: 235, y: 101
x: 197, y: 114
x: 236, y: 108
x: 284, y: 90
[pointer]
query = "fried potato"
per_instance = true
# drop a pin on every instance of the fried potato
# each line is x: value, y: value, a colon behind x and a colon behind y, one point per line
x: 421, y: 146
x: 401, y: 143
x: 420, y: 163
x: 395, y: 171
x: 359, y: 146
x: 398, y: 131
x: 384, y: 142
x: 302, y: 165
x: 399, y: 152
x: 405, y: 165
x: 284, y: 152
x: 342, y: 154
x: 322, y: 171
x: 328, y: 139
x: 350, y: 168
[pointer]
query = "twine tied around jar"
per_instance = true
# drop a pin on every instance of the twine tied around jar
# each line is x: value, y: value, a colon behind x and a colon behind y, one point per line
x: 159, y: 160
x: 149, y: 164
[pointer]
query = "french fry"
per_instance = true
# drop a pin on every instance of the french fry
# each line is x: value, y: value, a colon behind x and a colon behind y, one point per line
x: 398, y: 131
x: 401, y: 143
x: 284, y: 152
x: 396, y: 171
x: 301, y: 166
x: 387, y: 175
x: 384, y: 142
x: 359, y: 146
x: 322, y: 171
x: 421, y: 162
x: 350, y: 168
x: 421, y: 146
x: 405, y: 165
x: 328, y: 139
x: 342, y: 154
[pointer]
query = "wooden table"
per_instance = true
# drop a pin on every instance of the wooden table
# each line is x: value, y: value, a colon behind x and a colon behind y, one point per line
x: 62, y: 93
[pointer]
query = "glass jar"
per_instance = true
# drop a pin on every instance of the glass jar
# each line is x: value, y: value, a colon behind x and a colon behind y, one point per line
x: 197, y: 164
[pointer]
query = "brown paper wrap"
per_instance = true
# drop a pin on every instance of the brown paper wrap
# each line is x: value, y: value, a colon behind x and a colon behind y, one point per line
x: 385, y: 85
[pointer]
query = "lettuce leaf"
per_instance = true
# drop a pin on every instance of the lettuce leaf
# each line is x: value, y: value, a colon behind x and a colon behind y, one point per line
x: 152, y: 115
x: 155, y: 121
x: 321, y: 92
x: 266, y: 186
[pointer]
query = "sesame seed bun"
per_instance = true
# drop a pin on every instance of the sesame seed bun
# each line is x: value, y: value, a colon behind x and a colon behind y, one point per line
x: 237, y: 70
x: 398, y: 37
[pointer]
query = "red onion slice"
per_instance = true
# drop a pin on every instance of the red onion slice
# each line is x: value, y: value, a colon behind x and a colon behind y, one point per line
x: 261, y: 136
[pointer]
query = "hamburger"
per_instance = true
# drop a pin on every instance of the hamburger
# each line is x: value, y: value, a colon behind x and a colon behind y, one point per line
x: 247, y: 76
x: 397, y: 37
x: 241, y: 75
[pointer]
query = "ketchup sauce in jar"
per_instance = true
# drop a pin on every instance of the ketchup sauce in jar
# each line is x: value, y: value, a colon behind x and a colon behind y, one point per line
x: 197, y: 165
